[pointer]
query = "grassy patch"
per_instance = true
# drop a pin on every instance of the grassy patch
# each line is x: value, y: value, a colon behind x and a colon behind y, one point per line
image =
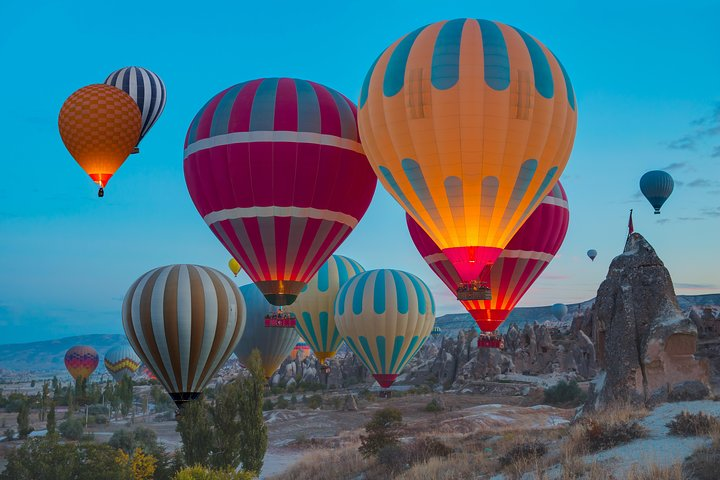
x: 686, y: 424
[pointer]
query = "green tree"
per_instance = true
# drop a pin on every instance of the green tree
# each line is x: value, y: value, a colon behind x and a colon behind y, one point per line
x: 196, y: 432
x: 40, y: 458
x: 23, y: 421
x: 72, y: 428
x: 51, y: 419
x: 253, y: 434
x: 70, y: 400
x: 125, y: 393
x: 383, y: 430
x: 202, y: 473
x: 43, y: 403
x: 227, y: 427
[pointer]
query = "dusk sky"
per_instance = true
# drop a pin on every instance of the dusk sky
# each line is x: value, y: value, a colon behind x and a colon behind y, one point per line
x: 646, y: 77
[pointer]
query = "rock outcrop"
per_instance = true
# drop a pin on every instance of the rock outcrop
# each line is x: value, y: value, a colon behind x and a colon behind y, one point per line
x: 645, y: 345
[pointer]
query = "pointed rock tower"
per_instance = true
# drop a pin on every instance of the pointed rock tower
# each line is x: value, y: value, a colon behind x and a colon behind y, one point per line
x: 645, y: 346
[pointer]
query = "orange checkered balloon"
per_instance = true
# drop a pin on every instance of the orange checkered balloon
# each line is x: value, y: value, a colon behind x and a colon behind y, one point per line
x: 100, y: 126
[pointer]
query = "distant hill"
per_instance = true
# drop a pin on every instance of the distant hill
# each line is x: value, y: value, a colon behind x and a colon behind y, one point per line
x: 453, y: 323
x: 48, y: 356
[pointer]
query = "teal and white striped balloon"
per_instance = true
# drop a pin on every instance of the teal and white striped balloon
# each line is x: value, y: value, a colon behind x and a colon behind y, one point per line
x: 385, y: 316
x: 314, y: 307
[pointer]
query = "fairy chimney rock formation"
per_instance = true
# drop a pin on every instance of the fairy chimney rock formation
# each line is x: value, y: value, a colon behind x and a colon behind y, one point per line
x: 645, y: 346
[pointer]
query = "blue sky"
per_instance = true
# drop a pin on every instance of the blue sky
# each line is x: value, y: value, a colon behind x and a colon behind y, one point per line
x: 646, y: 79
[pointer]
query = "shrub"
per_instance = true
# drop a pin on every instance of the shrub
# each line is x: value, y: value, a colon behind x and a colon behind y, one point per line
x: 565, y: 393
x: 434, y: 406
x: 423, y: 449
x: 703, y: 463
x: 314, y: 401
x: 281, y: 402
x: 98, y: 409
x: 72, y: 428
x: 101, y: 419
x: 392, y: 458
x: 9, y: 434
x: 686, y: 424
x: 382, y: 431
x: 601, y: 436
x: 267, y: 405
x: 203, y: 473
x: 523, y: 451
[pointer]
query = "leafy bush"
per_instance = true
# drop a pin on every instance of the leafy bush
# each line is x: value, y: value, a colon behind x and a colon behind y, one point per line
x: 382, y: 430
x: 423, y: 449
x: 9, y: 434
x: 523, y: 451
x: 601, y: 436
x: 101, y: 419
x: 434, y: 406
x: 98, y: 409
x: 72, y: 428
x: 281, y: 402
x: 392, y: 458
x: 267, y: 405
x: 203, y: 473
x: 686, y: 424
x: 565, y: 393
x: 314, y: 401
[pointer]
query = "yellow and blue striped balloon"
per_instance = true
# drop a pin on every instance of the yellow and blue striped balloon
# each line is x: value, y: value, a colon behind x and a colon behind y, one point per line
x: 385, y: 316
x: 314, y: 306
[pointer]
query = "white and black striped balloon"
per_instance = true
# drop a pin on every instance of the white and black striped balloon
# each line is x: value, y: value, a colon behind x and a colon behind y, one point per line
x: 183, y: 321
x: 146, y: 88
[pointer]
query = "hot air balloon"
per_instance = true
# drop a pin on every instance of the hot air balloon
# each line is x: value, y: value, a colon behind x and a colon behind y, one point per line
x: 592, y: 254
x: 148, y: 373
x: 522, y: 261
x: 385, y: 316
x: 234, y: 266
x: 276, y: 169
x: 436, y: 330
x: 657, y: 186
x: 468, y: 124
x: 274, y: 344
x: 121, y: 361
x: 559, y: 310
x: 183, y: 321
x: 81, y: 361
x: 146, y: 89
x: 314, y: 306
x: 100, y: 126
x: 300, y: 347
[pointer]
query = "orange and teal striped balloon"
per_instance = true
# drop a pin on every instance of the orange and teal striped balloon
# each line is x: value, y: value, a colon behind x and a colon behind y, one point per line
x: 468, y: 124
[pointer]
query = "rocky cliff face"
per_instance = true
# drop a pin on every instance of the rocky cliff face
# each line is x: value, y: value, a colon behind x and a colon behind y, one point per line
x: 645, y: 345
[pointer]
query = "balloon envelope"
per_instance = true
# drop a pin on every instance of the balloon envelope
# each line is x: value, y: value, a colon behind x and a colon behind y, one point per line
x: 234, y: 266
x: 121, y: 361
x: 519, y: 265
x: 314, y: 307
x: 276, y: 169
x: 559, y: 310
x: 100, y: 126
x: 274, y: 344
x: 385, y: 316
x: 146, y: 89
x: 468, y: 124
x: 183, y: 322
x: 592, y: 254
x: 81, y: 361
x: 657, y: 186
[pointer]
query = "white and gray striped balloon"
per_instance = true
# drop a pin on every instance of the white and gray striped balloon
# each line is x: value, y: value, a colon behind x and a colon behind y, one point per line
x: 183, y: 321
x: 146, y: 88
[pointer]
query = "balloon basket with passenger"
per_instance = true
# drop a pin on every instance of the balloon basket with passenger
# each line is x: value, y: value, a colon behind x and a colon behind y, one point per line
x: 490, y: 340
x: 280, y: 319
x: 475, y: 290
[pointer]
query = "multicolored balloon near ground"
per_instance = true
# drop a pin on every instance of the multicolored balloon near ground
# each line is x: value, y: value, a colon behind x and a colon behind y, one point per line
x: 657, y: 186
x: 276, y: 169
x: 183, y: 321
x: 100, y: 126
x: 314, y: 307
x: 121, y: 361
x: 274, y: 344
x: 81, y: 361
x: 300, y: 347
x: 468, y: 124
x: 522, y: 261
x: 146, y: 89
x: 385, y: 316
